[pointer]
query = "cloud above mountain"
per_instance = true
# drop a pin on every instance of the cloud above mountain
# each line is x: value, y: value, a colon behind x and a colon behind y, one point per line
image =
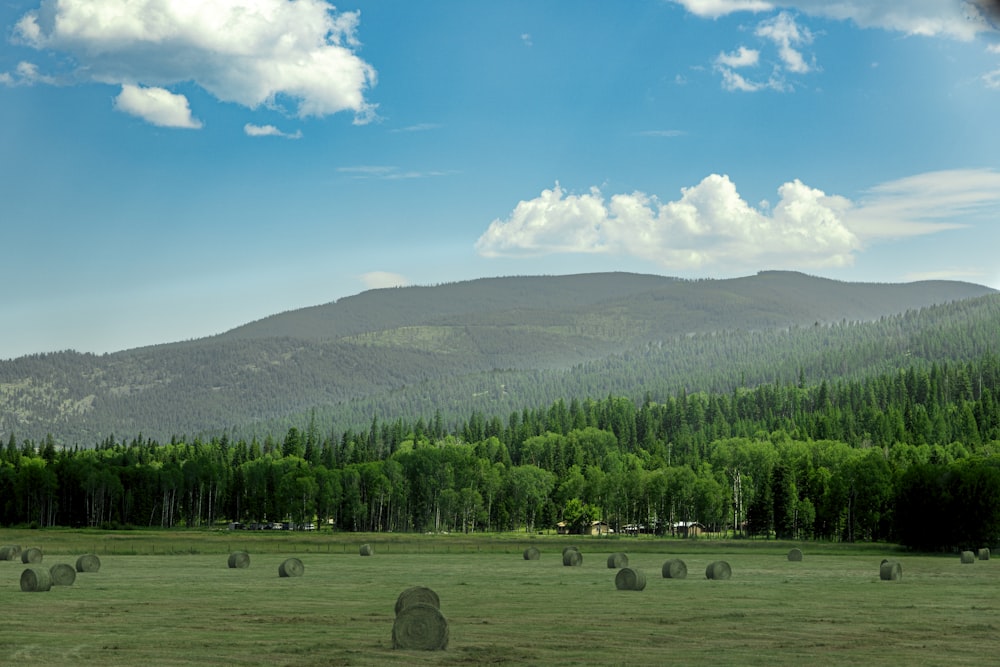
x: 297, y: 56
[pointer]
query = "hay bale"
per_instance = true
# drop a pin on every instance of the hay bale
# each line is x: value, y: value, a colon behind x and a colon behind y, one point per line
x: 617, y: 560
x: 62, y: 574
x: 420, y: 627
x: 890, y: 570
x: 31, y: 556
x: 88, y: 563
x: 675, y: 568
x: 719, y: 570
x: 572, y: 557
x: 983, y: 554
x: 795, y: 555
x: 239, y: 560
x: 967, y: 557
x: 291, y: 567
x: 10, y: 552
x: 416, y: 595
x: 565, y: 549
x: 366, y: 550
x: 630, y: 579
x: 35, y: 580
x: 531, y: 553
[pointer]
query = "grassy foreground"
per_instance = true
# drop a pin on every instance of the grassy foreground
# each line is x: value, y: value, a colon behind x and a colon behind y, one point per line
x: 169, y: 599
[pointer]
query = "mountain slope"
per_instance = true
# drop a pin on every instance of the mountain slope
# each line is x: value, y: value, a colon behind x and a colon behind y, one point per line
x: 421, y: 349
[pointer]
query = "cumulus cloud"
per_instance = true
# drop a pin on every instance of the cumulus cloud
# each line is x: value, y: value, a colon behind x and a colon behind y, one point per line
x: 951, y: 18
x: 742, y: 57
x: 710, y: 225
x: 26, y: 74
x: 735, y: 81
x: 252, y: 130
x: 787, y: 36
x: 249, y: 52
x: 157, y: 106
x: 379, y: 279
x: 716, y: 8
x: 784, y: 33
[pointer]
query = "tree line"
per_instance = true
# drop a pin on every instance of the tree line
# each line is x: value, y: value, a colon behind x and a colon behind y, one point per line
x: 912, y: 455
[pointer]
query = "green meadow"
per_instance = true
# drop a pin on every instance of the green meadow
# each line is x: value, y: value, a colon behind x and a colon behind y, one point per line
x: 169, y: 598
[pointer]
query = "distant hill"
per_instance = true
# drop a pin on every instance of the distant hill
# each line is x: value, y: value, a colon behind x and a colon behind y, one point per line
x: 496, y: 344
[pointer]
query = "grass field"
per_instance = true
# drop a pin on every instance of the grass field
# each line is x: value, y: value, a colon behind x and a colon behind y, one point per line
x: 168, y: 598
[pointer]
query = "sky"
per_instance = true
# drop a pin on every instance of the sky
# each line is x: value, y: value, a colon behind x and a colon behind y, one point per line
x: 171, y: 169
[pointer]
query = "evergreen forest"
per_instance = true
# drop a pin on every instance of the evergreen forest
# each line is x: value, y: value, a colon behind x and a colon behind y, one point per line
x: 773, y: 406
x: 911, y: 456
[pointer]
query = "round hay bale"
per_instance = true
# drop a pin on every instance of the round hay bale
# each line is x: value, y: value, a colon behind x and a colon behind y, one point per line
x: 366, y: 550
x: 565, y: 549
x: 675, y: 568
x: 417, y: 595
x: 967, y: 557
x: 291, y: 567
x: 35, y: 580
x: 10, y: 552
x: 31, y: 555
x: 719, y: 570
x: 88, y: 563
x: 890, y: 570
x: 617, y: 560
x: 795, y: 555
x: 572, y: 558
x: 62, y: 574
x: 239, y: 560
x: 531, y: 553
x: 983, y: 554
x: 420, y: 627
x: 630, y: 579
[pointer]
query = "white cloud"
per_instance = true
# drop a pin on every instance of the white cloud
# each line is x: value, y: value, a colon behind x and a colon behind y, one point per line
x: 250, y: 52
x: 992, y: 79
x: 418, y: 127
x: 926, y: 203
x: 951, y: 18
x: 390, y: 173
x: 26, y: 74
x: 252, y: 130
x: 786, y: 34
x: 716, y: 8
x: 157, y: 106
x: 549, y: 223
x: 742, y: 57
x: 710, y: 225
x: 737, y: 82
x: 380, y: 279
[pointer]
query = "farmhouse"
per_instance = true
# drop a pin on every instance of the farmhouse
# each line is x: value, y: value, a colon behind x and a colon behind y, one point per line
x: 599, y: 528
x: 687, y: 529
x: 594, y: 528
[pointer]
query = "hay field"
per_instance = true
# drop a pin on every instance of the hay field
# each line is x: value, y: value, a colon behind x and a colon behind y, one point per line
x: 192, y: 609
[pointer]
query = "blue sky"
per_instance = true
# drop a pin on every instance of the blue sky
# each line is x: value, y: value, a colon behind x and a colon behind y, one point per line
x: 170, y: 170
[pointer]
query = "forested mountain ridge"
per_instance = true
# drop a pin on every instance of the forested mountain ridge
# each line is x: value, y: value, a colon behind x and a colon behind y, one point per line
x: 493, y: 344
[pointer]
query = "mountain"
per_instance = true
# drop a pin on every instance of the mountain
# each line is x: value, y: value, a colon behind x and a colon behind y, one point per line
x: 496, y: 344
